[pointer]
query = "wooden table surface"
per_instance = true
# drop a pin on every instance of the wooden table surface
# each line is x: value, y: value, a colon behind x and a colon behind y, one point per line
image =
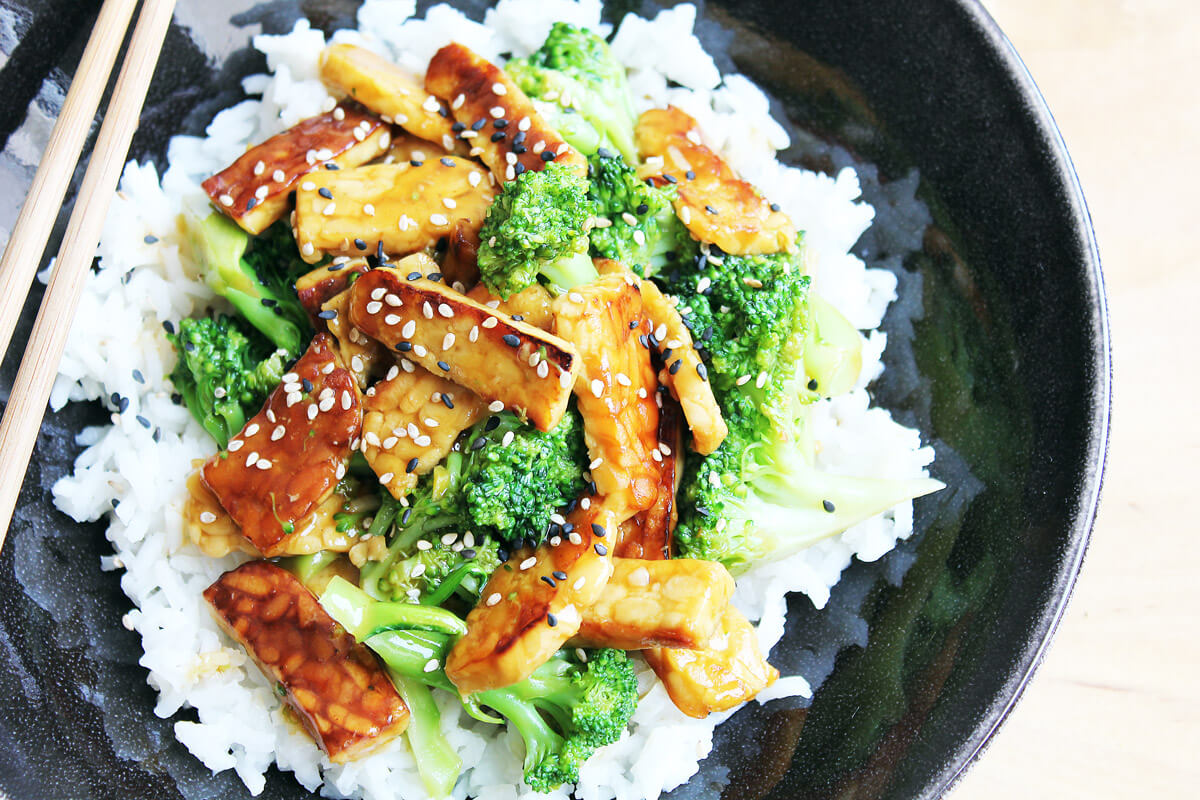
x: 1114, y: 710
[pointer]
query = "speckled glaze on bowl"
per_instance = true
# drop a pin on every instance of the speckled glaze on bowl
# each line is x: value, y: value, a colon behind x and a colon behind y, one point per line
x: 998, y: 352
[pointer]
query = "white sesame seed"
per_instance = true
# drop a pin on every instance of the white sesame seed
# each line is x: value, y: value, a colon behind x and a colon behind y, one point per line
x: 263, y: 464
x: 417, y: 572
x: 529, y: 562
x: 427, y: 310
x: 312, y: 411
x: 378, y: 293
x: 341, y: 471
x: 292, y: 386
x: 493, y: 598
x: 475, y: 151
x: 674, y: 343
x: 474, y: 334
x: 207, y: 517
x: 326, y: 404
x: 473, y: 178
x: 507, y: 439
x: 307, y: 249
x: 562, y: 148
x: 251, y: 429
x: 595, y: 463
x: 271, y: 416
x: 597, y: 387
x: 447, y: 141
x: 409, y: 329
x: 308, y: 186
x: 445, y: 310
x: 407, y: 365
x: 630, y: 219
x: 390, y: 442
x: 347, y: 400
x: 660, y: 332
x: 543, y: 369
x: 278, y: 433
x: 458, y: 102
x: 386, y: 478
x: 432, y: 664
x: 339, y: 113
x: 430, y: 422
x: 579, y: 582
x: 328, y: 368
x: 524, y: 124
x: 422, y: 441
x: 685, y: 215
x: 278, y: 176
x: 358, y: 134
x: 430, y: 104
x: 495, y: 406
x: 424, y: 544
x: 761, y: 381
x: 623, y: 379
x: 538, y: 147
x: 575, y: 297
x: 447, y: 341
x: 293, y: 398
x: 438, y: 219
x: 693, y: 136
x: 657, y: 456
x: 261, y: 192
x: 510, y: 173
x: 640, y: 238
x: 555, y: 541
x: 753, y: 283
x: 490, y: 322
x: 534, y: 358
x: 356, y: 363
x: 575, y: 538
x: 259, y: 168
x: 374, y: 307
x: 329, y: 209
x: 496, y: 111
x: 392, y: 300
x: 391, y: 319
x: 585, y: 503
x: 564, y: 380
x: 225, y: 200
x: 419, y: 350
x: 250, y: 459
x: 492, y: 304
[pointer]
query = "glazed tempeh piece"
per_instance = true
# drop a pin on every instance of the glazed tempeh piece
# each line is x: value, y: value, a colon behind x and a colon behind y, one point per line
x: 398, y: 208
x: 533, y: 304
x: 532, y: 603
x: 390, y: 91
x: 336, y: 686
x: 460, y: 265
x: 684, y: 373
x: 503, y: 127
x: 648, y: 533
x: 657, y: 603
x: 615, y: 391
x: 254, y: 190
x: 716, y: 205
x: 288, y: 458
x: 410, y: 422
x: 317, y: 287
x: 731, y: 670
x: 407, y: 148
x: 363, y: 355
x: 509, y: 363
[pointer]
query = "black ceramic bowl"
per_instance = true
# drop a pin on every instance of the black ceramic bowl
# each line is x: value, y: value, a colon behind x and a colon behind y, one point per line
x: 998, y: 353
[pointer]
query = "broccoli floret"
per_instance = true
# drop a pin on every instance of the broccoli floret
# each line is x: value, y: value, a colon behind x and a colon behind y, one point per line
x: 257, y: 276
x: 537, y: 225
x: 502, y: 489
x: 643, y: 232
x: 513, y: 487
x: 572, y: 126
x: 759, y: 495
x: 224, y: 372
x: 575, y: 68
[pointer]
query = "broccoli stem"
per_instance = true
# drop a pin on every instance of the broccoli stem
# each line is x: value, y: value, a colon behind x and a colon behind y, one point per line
x: 437, y: 762
x: 540, y: 739
x: 364, y: 617
x: 570, y: 271
x: 306, y: 566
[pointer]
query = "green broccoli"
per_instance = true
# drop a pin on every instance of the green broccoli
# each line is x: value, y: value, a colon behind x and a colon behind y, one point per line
x: 224, y: 372
x: 759, y: 496
x: 572, y: 126
x: 257, y: 276
x: 642, y: 231
x: 537, y: 224
x: 575, y: 68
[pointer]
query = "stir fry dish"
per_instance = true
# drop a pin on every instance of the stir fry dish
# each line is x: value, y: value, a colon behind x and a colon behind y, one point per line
x: 511, y: 386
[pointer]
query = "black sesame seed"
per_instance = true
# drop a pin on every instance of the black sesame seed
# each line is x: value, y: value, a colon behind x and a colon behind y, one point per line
x: 412, y: 276
x: 168, y: 326
x: 708, y: 334
x: 519, y: 137
x: 479, y: 123
x: 675, y: 366
x: 331, y: 166
x: 407, y: 516
x: 412, y: 464
x: 644, y: 342
x: 137, y: 376
x: 145, y: 423
x: 443, y: 366
x: 559, y: 575
x: 115, y: 502
x: 642, y: 209
x: 335, y: 267
x: 520, y: 149
x: 379, y: 250
x: 329, y: 313
x: 774, y: 206
x: 324, y: 192
x: 447, y: 402
x: 519, y: 168
x: 512, y: 340
x: 434, y: 276
x: 547, y: 155
x: 812, y: 385
x: 307, y: 384
x: 598, y: 529
x: 491, y: 424
x: 268, y: 302
x: 177, y: 398
x: 360, y: 244
x: 548, y: 581
x: 666, y: 354
x: 478, y: 444
x: 669, y: 178
x: 189, y: 346
x: 604, y: 152
x: 150, y: 238
x: 416, y: 163
x: 502, y: 554
x: 468, y: 554
x: 710, y: 209
x: 449, y: 162
x: 828, y: 506
x: 458, y: 127
x: 251, y: 203
x: 157, y: 435
x: 499, y: 136
x: 404, y: 347
x: 601, y: 550
x: 652, y: 339
x: 633, y: 325
x: 690, y: 175
x: 519, y: 317
x: 702, y: 371
x: 551, y: 620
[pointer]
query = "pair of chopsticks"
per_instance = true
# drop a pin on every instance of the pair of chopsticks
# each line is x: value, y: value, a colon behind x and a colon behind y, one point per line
x: 44, y: 349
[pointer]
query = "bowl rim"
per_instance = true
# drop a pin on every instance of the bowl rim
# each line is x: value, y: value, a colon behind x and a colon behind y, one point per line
x: 1099, y: 423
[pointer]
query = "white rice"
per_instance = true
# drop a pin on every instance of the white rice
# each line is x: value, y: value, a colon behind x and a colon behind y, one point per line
x: 145, y: 281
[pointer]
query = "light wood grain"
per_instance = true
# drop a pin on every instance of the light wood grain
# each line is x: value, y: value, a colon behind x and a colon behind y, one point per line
x: 1114, y: 711
x: 49, y: 186
x: 31, y: 389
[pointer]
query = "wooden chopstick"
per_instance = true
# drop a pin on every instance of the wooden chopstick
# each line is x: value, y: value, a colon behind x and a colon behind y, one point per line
x: 32, y: 229
x: 31, y: 390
